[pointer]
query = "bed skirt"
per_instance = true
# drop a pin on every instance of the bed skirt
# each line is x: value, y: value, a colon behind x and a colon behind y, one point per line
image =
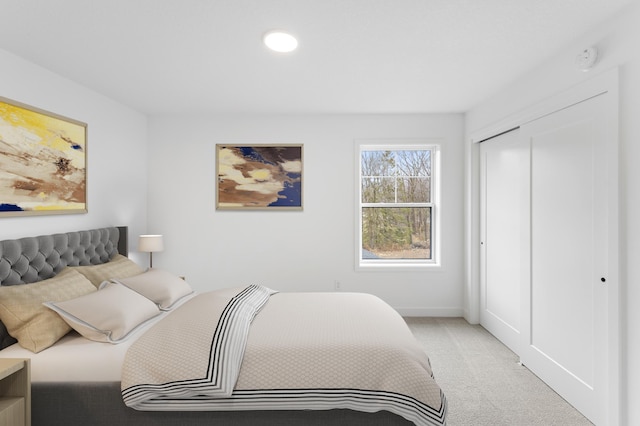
x: 100, y: 404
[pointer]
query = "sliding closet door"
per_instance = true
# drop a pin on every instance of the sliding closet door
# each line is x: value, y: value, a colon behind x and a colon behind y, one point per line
x: 504, y: 235
x: 565, y: 312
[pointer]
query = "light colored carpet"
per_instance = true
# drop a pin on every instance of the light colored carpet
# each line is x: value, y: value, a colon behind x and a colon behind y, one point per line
x: 483, y: 381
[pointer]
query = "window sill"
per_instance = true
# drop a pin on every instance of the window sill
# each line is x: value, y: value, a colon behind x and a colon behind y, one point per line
x: 397, y: 266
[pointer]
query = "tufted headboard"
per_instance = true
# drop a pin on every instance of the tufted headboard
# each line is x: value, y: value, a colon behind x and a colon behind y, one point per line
x: 32, y: 259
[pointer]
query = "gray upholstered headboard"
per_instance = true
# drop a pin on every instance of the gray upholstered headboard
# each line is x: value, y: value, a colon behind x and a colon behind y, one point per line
x: 31, y: 259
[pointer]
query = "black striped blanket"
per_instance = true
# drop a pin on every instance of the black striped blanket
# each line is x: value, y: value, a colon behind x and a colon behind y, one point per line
x: 255, y: 349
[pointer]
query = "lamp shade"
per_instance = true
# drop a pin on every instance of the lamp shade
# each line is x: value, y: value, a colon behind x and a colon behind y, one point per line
x: 150, y: 243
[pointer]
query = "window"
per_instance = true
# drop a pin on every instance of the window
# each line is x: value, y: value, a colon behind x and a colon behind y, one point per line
x: 397, y: 214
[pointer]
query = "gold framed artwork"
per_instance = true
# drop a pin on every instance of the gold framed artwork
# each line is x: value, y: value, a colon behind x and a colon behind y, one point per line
x: 259, y: 177
x: 43, y: 162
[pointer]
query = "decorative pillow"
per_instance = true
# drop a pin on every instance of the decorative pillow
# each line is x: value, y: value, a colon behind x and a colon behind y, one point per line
x: 110, y: 314
x: 159, y: 286
x: 35, y: 326
x: 118, y: 267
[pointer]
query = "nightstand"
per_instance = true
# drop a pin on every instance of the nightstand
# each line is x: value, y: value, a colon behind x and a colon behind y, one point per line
x: 15, y: 392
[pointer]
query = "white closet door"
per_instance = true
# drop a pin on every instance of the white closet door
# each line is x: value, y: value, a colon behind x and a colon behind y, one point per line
x: 565, y: 313
x: 504, y: 235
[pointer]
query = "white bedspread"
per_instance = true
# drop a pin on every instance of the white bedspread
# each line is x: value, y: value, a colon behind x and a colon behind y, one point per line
x: 303, y: 351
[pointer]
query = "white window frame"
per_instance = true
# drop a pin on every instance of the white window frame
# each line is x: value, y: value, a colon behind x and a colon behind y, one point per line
x: 399, y: 264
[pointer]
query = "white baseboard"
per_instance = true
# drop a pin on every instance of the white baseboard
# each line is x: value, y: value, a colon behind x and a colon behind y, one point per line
x: 467, y: 315
x: 430, y: 312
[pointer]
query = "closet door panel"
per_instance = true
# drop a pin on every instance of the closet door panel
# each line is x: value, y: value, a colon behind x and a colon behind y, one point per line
x: 566, y: 308
x: 504, y: 234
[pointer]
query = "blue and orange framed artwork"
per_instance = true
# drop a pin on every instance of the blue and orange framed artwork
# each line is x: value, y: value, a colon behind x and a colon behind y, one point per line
x: 43, y: 162
x: 259, y: 177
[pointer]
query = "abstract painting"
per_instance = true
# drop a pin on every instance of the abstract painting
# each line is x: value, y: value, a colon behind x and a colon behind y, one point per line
x: 267, y: 177
x: 43, y: 159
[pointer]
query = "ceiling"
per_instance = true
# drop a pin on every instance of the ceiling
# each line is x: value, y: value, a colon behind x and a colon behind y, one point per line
x: 355, y: 56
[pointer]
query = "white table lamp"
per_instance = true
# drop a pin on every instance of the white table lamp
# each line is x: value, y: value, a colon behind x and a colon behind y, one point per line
x: 150, y: 244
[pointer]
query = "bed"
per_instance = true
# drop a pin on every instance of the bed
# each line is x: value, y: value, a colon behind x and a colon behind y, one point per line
x: 241, y: 356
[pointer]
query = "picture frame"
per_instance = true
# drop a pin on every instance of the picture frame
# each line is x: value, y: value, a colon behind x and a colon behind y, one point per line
x: 259, y: 176
x: 43, y: 162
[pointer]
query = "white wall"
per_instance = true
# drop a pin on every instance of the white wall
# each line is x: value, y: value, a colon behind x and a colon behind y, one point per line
x: 295, y: 251
x: 116, y: 147
x: 617, y: 43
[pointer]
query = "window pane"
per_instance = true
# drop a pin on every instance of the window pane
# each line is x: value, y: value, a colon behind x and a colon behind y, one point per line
x: 378, y: 163
x: 378, y: 189
x: 413, y: 162
x: 414, y: 190
x: 396, y: 233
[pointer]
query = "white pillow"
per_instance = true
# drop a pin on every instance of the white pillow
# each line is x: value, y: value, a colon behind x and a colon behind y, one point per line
x: 159, y: 286
x: 110, y: 314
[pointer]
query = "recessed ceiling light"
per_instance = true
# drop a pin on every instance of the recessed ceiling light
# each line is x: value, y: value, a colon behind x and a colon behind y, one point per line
x: 280, y: 41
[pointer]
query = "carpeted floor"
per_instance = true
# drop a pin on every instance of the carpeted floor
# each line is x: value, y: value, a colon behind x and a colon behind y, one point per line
x: 483, y: 381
